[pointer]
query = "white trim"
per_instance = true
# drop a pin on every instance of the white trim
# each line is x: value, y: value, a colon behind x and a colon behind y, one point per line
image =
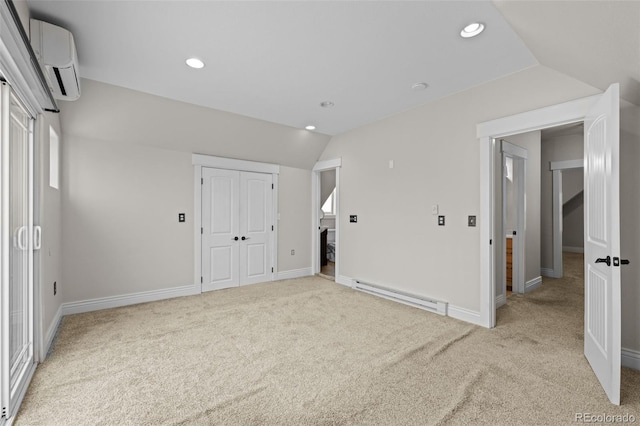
x: 557, y: 223
x: 564, y: 165
x: 542, y: 118
x: 571, y: 249
x: 630, y: 358
x: 293, y: 273
x: 513, y: 150
x: 23, y: 391
x: 233, y: 164
x: 51, y: 332
x: 538, y: 119
x: 91, y: 305
x: 546, y: 272
x: 465, y: 315
x: 501, y: 300
x: 345, y: 281
x: 327, y: 164
x: 532, y: 284
x: 197, y: 224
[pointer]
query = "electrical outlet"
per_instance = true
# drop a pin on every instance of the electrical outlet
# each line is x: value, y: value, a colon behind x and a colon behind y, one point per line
x: 293, y: 252
x: 55, y: 288
x: 441, y: 220
x: 353, y: 218
x: 181, y: 217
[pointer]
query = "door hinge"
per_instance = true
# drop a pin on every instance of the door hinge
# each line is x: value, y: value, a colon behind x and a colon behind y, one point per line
x: 272, y: 187
x: 490, y: 242
x: 272, y: 270
x: 201, y: 280
x: 4, y: 412
x: 201, y: 181
x: 202, y: 230
x: 272, y: 227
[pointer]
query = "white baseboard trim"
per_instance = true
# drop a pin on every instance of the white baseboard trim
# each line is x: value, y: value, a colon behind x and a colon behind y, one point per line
x: 466, y: 315
x: 547, y: 272
x: 532, y: 284
x: 501, y: 300
x: 294, y: 273
x: 52, y: 330
x: 81, y: 306
x: 345, y: 281
x: 630, y: 359
x: 573, y: 249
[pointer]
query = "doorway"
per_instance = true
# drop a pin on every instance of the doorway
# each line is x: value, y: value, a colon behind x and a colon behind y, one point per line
x: 601, y: 117
x: 327, y: 213
x: 325, y: 238
x: 514, y: 179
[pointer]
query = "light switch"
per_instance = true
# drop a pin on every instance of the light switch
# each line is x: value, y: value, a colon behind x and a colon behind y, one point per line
x: 472, y: 221
x: 353, y: 218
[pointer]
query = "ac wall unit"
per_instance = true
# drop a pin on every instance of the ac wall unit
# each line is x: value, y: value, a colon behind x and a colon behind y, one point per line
x: 56, y: 51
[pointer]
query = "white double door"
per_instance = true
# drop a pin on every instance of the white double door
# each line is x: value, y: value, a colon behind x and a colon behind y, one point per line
x: 237, y: 228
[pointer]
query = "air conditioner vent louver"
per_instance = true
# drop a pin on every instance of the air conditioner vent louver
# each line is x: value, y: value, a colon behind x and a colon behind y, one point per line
x: 56, y: 51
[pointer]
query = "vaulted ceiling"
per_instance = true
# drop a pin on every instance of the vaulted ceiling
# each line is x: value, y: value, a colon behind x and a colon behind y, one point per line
x: 278, y: 61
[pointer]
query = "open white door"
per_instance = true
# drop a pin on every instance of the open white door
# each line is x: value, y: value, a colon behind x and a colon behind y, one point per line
x: 602, y: 241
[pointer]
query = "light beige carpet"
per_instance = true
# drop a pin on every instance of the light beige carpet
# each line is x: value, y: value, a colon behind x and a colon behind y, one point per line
x: 311, y: 352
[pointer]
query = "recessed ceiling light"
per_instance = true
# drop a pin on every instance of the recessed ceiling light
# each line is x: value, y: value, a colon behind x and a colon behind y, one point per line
x: 326, y: 104
x: 310, y: 127
x: 472, y: 30
x: 419, y: 86
x: 195, y: 63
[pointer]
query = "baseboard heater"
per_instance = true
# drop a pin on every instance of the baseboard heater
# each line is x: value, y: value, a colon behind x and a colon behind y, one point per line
x: 437, y: 306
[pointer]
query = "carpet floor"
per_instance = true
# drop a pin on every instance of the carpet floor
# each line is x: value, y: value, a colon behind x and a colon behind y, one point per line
x: 311, y: 352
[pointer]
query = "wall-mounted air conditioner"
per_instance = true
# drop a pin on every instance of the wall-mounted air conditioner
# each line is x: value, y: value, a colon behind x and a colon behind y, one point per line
x: 56, y: 51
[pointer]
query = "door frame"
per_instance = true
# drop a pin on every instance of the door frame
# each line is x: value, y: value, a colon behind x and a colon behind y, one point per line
x: 488, y: 134
x: 321, y: 166
x: 199, y: 161
x: 557, y: 167
x: 519, y: 156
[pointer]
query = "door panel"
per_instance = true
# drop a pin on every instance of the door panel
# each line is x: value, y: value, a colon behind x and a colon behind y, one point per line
x: 17, y: 249
x: 602, y: 242
x: 255, y: 227
x: 237, y: 227
x: 220, y: 260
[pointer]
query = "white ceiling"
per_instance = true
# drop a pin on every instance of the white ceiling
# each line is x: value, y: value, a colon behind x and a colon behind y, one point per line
x: 277, y: 61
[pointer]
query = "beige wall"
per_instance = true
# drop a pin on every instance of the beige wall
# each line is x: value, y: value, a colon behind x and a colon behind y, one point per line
x: 397, y: 242
x: 128, y: 175
x: 573, y: 209
x: 50, y: 219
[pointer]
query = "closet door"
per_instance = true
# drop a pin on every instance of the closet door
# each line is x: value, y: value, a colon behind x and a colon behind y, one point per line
x: 16, y: 140
x: 256, y: 227
x: 220, y: 229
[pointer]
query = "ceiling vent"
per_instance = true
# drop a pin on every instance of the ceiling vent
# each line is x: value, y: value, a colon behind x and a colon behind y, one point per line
x: 56, y: 51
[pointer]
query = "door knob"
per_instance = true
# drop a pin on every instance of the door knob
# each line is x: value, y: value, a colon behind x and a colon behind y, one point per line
x: 235, y: 238
x: 607, y: 260
x: 618, y: 261
x: 245, y: 238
